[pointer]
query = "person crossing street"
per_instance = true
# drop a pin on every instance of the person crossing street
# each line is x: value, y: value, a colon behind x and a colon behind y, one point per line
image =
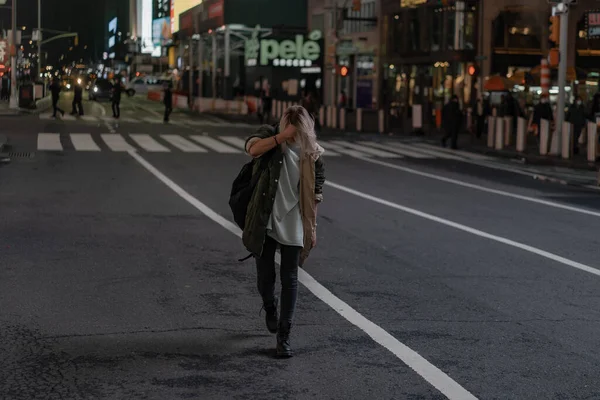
x: 55, y: 91
x: 77, y: 99
x: 117, y: 89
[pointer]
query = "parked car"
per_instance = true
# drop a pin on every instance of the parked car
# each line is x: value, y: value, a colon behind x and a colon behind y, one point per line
x: 100, y: 89
x: 144, y: 84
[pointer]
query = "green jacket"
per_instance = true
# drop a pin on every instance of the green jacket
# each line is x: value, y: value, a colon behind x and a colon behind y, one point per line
x: 261, y: 203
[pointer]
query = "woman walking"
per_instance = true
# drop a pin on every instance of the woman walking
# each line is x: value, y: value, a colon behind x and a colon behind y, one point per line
x: 283, y: 212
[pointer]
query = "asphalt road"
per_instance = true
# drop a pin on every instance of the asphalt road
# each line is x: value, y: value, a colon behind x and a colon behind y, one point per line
x: 440, y: 276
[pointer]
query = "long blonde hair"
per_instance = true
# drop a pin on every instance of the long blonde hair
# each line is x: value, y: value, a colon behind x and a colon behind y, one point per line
x: 299, y: 117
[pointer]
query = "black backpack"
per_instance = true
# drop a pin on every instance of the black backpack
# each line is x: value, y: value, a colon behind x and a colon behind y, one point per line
x: 241, y: 192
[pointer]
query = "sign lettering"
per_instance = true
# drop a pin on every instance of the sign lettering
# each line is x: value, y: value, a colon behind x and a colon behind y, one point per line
x: 298, y: 52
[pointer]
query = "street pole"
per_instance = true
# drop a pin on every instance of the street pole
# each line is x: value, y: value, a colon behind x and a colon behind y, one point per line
x: 14, y: 99
x: 39, y: 41
x: 191, y: 75
x: 562, y: 70
x: 200, y: 67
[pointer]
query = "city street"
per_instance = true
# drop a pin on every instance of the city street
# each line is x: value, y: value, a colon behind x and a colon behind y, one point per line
x: 437, y: 274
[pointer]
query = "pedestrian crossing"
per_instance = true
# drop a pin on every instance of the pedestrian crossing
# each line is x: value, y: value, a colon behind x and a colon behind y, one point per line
x: 202, y: 144
x: 179, y: 120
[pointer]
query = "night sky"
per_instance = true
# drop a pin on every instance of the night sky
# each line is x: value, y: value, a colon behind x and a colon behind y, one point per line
x: 83, y: 16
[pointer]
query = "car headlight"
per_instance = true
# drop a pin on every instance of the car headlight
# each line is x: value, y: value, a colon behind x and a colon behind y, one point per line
x: 95, y: 89
x: 79, y: 81
x: 68, y: 86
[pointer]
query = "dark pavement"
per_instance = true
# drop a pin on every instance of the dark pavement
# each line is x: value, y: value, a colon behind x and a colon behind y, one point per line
x: 120, y: 277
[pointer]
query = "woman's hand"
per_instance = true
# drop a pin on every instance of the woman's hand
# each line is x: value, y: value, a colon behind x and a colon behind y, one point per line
x: 288, y: 133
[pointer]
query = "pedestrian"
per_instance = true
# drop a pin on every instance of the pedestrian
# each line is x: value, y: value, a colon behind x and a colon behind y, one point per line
x: 77, y: 98
x: 282, y: 212
x: 55, y: 91
x: 542, y: 110
x: 451, y: 121
x: 482, y: 111
x: 168, y: 101
x: 577, y: 116
x: 117, y: 89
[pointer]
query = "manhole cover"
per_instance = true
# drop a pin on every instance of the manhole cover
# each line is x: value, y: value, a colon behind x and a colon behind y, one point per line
x: 21, y: 154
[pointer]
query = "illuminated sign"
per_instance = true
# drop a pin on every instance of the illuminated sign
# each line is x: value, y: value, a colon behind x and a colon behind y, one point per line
x: 300, y: 52
x: 3, y: 46
x: 593, y: 24
x: 112, y: 29
x: 161, y: 31
x: 178, y: 7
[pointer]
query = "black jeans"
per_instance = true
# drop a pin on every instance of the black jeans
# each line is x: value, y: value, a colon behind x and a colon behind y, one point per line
x: 55, y: 106
x: 77, y: 105
x: 168, y: 111
x: 265, y: 267
x: 116, y: 109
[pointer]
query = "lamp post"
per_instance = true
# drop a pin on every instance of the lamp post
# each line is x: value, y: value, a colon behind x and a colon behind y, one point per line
x: 39, y: 41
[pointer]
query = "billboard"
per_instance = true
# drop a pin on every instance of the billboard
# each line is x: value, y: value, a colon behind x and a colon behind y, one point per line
x: 161, y: 31
x: 178, y: 7
x: 145, y: 14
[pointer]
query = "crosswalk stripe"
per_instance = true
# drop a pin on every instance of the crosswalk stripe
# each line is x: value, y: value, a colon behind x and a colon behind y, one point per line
x: 152, y: 120
x: 49, y: 142
x: 183, y: 144
x: 467, y: 154
x: 341, y: 150
x: 89, y: 118
x: 368, y: 150
x: 214, y: 144
x: 234, y: 141
x: 46, y: 116
x: 386, y: 146
x: 147, y: 143
x: 83, y: 142
x: 68, y: 117
x: 435, y: 153
x: 116, y: 142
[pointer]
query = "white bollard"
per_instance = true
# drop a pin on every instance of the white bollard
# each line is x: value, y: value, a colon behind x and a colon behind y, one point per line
x: 521, y: 134
x: 567, y: 140
x: 555, y: 142
x: 491, y: 133
x: 322, y: 115
x: 508, y: 131
x: 279, y: 106
x: 274, y: 109
x: 343, y: 118
x: 359, y: 119
x: 329, y: 112
x: 500, y: 129
x: 381, y: 115
x: 592, y: 137
x: 544, y: 136
x: 334, y: 117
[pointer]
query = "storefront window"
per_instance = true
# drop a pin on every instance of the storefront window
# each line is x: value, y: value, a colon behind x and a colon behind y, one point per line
x: 450, y: 29
x: 414, y: 30
x: 469, y: 30
x: 517, y: 30
x: 436, y: 26
x: 399, y: 39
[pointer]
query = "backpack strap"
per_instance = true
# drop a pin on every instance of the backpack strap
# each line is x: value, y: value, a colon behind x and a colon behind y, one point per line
x: 246, y: 258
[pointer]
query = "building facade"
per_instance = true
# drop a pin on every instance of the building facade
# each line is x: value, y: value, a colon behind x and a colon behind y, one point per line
x: 352, y: 44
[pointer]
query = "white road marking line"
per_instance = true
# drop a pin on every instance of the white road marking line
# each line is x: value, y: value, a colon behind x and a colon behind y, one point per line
x: 68, y: 117
x: 116, y: 142
x: 365, y: 149
x: 183, y: 144
x: 49, y: 142
x: 147, y: 143
x: 463, y: 153
x: 482, y: 188
x: 436, y: 377
x: 341, y: 150
x: 83, y: 142
x: 435, y: 153
x: 89, y: 118
x: 214, y: 144
x: 46, y: 116
x: 153, y: 120
x: 408, y: 153
x: 464, y: 228
x: 234, y: 141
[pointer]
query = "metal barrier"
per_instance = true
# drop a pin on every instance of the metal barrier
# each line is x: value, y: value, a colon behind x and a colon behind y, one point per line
x: 567, y: 140
x: 521, y: 134
x: 544, y: 136
x: 592, y: 141
x: 500, y: 129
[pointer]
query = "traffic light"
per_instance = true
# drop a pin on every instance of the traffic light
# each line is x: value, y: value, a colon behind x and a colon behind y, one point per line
x: 356, y: 5
x: 553, y: 57
x: 473, y: 70
x: 555, y: 29
x: 344, y: 71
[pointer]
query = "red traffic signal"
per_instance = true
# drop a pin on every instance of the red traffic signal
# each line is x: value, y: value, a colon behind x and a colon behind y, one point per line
x: 472, y: 70
x: 344, y: 71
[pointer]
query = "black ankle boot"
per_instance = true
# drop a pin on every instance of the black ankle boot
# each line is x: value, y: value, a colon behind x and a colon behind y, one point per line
x: 284, y: 349
x: 271, y: 316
